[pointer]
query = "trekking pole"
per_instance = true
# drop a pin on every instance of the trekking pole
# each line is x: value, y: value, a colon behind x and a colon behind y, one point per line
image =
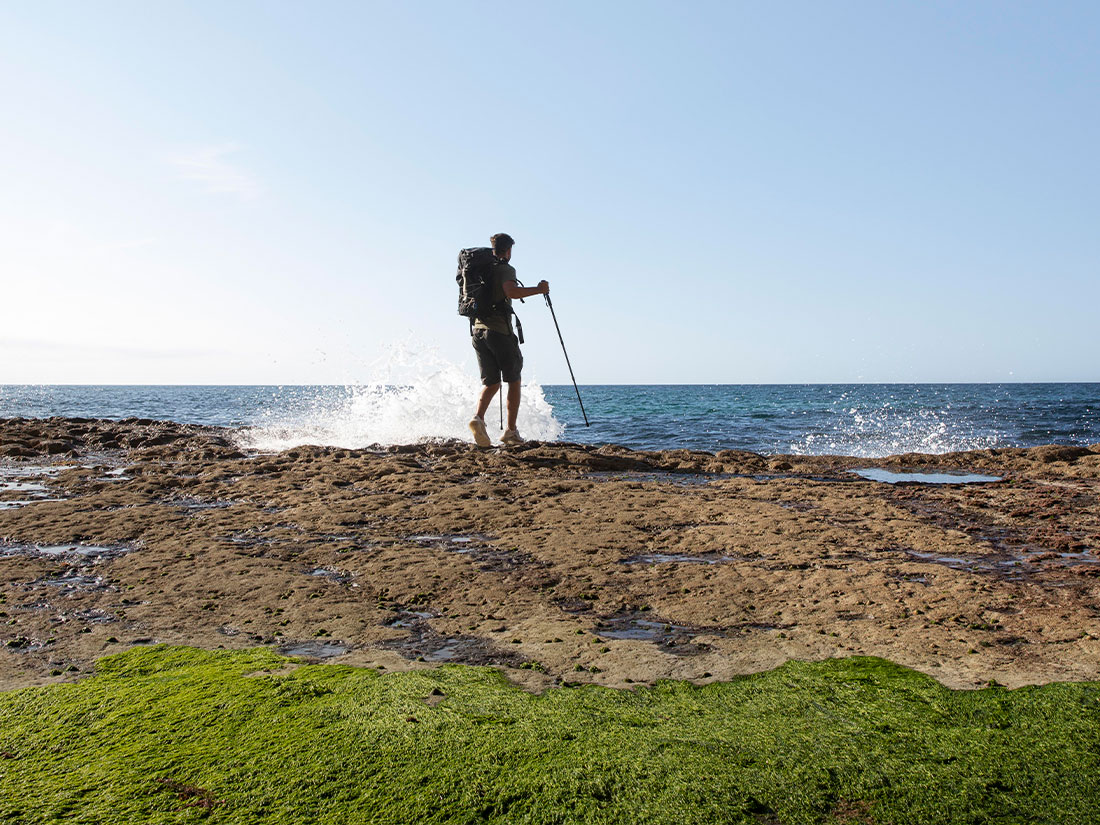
x: 500, y: 396
x: 555, y: 317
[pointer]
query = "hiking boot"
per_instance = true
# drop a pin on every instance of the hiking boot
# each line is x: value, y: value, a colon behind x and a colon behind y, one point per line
x: 511, y: 438
x: 477, y: 427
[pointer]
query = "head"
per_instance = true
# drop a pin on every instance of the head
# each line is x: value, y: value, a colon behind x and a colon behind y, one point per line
x: 502, y: 246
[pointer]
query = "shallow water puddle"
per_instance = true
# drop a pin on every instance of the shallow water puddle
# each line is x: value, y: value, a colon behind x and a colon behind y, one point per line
x: 409, y: 618
x: 333, y: 574
x: 675, y: 558
x: 1019, y: 562
x: 423, y: 644
x: 948, y: 560
x: 647, y: 630
x: 428, y: 646
x: 24, y: 644
x: 88, y: 551
x: 74, y: 580
x: 825, y: 479
x: 888, y: 477
x: 246, y: 540
x: 477, y: 546
x: 193, y: 504
x: 314, y: 650
x: 32, y: 470
x: 22, y: 486
x: 336, y: 537
x: 116, y: 475
x: 1078, y: 558
x: 15, y: 504
x: 28, y: 483
x: 911, y: 579
x: 448, y: 651
x: 673, y: 638
x: 681, y: 479
x: 462, y: 541
x: 95, y: 616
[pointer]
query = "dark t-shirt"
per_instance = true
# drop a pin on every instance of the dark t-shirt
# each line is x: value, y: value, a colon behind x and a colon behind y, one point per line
x: 499, y: 323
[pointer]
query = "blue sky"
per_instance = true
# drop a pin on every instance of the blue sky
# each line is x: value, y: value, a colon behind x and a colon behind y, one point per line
x: 271, y: 192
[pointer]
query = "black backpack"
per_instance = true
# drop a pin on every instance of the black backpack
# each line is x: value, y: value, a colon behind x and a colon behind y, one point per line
x: 475, y: 284
x: 475, y: 287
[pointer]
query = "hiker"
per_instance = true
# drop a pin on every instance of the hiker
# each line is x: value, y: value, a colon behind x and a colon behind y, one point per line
x: 495, y: 343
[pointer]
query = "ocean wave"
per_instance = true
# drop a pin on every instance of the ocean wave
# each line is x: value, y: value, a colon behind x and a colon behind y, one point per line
x: 413, y: 396
x: 885, y: 430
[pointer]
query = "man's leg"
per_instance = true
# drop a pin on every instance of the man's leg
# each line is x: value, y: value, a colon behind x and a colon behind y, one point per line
x: 513, y: 403
x: 487, y: 394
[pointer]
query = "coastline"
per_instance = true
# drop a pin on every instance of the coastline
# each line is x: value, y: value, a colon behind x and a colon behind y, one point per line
x: 554, y: 562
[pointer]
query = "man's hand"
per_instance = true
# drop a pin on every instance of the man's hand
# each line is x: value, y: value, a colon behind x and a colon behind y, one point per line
x: 514, y: 290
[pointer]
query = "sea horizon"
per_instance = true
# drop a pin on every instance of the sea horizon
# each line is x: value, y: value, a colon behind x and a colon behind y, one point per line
x: 606, y: 384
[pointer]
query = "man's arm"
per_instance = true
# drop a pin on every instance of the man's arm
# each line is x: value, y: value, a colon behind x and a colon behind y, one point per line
x: 514, y: 290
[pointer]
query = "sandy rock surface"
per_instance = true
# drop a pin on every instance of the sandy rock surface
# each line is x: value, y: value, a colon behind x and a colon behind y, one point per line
x: 555, y: 562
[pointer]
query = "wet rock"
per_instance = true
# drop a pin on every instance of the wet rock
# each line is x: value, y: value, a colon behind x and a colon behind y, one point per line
x: 55, y: 447
x: 159, y: 440
x: 1049, y: 453
x: 741, y: 461
x: 17, y: 451
x: 435, y: 697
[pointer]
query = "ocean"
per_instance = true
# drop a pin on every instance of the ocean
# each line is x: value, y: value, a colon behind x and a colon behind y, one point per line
x: 867, y: 420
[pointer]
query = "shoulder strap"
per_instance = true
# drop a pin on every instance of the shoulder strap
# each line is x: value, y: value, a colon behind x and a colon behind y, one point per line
x: 519, y: 326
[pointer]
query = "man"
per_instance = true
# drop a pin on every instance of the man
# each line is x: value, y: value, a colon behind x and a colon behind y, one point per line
x: 497, y: 347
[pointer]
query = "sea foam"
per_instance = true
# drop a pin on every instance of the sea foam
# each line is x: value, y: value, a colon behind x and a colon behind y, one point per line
x: 412, y: 396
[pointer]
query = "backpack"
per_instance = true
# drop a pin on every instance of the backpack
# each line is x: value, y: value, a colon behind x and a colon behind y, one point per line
x: 475, y: 284
x: 475, y: 287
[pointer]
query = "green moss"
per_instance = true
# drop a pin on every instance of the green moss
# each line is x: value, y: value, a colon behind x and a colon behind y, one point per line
x: 168, y: 734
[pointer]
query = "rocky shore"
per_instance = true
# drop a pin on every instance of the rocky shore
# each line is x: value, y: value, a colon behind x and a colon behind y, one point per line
x: 556, y: 562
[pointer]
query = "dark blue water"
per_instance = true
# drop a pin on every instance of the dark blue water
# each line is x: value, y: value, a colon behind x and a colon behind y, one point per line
x: 840, y: 419
x: 856, y: 419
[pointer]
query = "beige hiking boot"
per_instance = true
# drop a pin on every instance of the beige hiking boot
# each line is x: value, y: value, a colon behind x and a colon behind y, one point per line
x: 511, y: 438
x: 477, y: 427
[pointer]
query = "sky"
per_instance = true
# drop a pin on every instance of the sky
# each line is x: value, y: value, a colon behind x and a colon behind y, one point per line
x: 264, y: 192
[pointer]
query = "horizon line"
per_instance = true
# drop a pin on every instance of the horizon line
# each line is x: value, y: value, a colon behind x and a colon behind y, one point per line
x: 615, y: 384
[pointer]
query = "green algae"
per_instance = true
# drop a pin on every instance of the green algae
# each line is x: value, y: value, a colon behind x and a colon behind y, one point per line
x: 169, y: 734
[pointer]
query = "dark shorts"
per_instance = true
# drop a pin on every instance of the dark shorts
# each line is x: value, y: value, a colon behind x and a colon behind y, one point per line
x: 498, y: 356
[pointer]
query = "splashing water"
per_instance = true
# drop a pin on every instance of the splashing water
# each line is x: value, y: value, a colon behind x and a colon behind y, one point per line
x: 886, y: 429
x: 416, y: 396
